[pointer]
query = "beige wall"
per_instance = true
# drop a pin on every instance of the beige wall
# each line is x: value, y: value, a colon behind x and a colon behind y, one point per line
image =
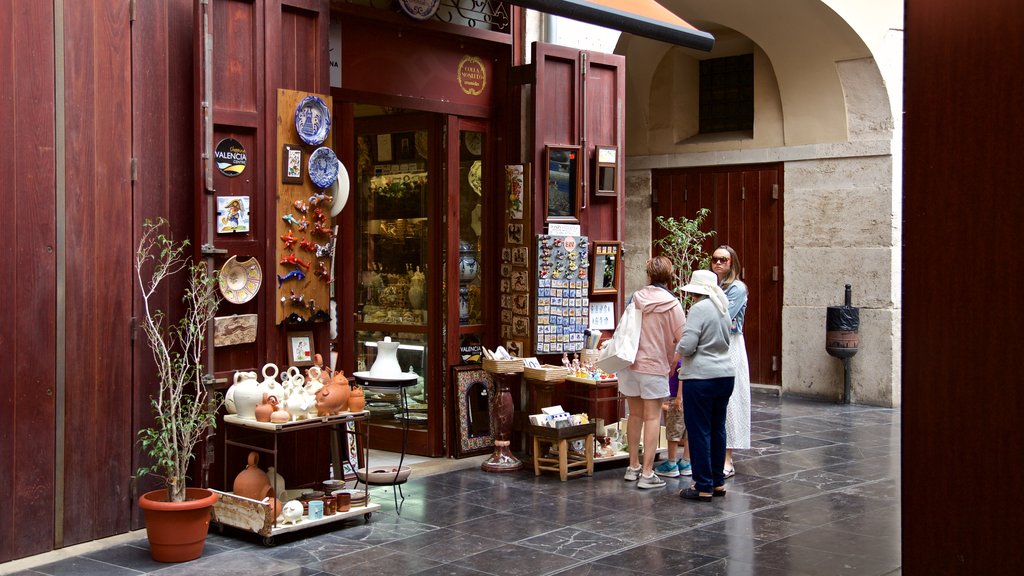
x: 823, y: 107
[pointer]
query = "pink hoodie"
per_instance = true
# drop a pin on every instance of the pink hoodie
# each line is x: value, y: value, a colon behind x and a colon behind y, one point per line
x: 661, y: 328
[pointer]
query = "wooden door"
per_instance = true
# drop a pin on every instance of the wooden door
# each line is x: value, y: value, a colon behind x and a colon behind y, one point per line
x: 578, y: 101
x: 746, y: 213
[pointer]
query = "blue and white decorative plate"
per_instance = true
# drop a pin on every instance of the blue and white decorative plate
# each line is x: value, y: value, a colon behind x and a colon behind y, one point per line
x: 323, y: 167
x: 312, y: 120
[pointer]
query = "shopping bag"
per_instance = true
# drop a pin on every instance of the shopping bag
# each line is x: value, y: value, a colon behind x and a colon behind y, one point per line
x: 620, y: 350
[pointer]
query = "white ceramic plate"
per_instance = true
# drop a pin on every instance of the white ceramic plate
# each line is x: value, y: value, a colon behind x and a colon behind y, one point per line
x: 340, y: 190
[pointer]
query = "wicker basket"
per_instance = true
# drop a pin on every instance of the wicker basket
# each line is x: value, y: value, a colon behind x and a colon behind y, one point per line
x: 503, y: 366
x: 546, y: 373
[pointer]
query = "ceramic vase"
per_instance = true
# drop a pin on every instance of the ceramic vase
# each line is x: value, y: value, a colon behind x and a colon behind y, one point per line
x: 245, y: 394
x: 386, y: 365
x: 252, y: 482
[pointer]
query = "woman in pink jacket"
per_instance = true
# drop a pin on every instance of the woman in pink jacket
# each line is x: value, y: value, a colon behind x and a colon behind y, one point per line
x: 645, y: 382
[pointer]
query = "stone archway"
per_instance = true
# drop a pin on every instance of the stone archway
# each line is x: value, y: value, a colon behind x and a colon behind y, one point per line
x: 824, y: 95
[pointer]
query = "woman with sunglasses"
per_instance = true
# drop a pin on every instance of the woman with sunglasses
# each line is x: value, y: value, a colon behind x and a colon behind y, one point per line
x: 725, y: 263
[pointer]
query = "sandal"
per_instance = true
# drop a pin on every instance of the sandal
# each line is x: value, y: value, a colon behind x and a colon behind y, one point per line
x: 718, y: 493
x: 729, y: 472
x: 692, y: 494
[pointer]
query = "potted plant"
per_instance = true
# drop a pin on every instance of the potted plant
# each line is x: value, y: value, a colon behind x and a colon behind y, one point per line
x: 184, y: 408
x: 683, y: 244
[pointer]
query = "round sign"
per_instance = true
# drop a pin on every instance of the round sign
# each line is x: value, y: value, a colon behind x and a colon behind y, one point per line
x: 419, y: 9
x: 231, y: 157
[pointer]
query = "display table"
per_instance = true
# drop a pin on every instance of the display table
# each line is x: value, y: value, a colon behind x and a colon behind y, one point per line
x: 255, y: 516
x: 566, y: 464
x: 401, y: 382
x: 598, y: 398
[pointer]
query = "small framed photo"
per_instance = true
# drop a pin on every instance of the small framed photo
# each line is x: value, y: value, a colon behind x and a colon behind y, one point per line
x: 301, y: 349
x: 562, y: 184
x: 291, y: 164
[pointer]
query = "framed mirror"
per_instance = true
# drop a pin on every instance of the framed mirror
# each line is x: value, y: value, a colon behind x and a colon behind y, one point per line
x: 606, y: 162
x: 562, y: 188
x: 607, y: 267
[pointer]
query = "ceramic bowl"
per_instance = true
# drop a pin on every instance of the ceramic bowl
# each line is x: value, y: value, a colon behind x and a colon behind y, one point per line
x: 383, y: 474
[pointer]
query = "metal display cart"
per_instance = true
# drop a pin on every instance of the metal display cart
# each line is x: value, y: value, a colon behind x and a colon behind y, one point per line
x: 256, y: 516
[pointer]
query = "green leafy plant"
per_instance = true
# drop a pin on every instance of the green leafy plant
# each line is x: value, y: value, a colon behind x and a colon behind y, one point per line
x: 185, y: 409
x: 683, y: 244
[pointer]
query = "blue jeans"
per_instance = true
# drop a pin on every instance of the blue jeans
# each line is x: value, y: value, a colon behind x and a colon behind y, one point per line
x: 704, y: 406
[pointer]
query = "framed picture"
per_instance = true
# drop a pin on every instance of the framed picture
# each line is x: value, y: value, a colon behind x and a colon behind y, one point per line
x: 602, y: 315
x: 291, y: 164
x: 301, y: 349
x: 405, y: 146
x: 607, y: 267
x: 562, y: 188
x: 473, y: 390
x: 606, y: 162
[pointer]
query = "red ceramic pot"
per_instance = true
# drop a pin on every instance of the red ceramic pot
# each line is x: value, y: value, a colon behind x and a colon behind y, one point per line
x: 177, y: 530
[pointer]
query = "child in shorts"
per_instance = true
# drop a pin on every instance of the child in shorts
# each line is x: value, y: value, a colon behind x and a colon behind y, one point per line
x: 675, y: 431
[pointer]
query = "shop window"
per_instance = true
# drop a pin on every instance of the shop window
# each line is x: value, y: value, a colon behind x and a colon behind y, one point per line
x: 727, y: 94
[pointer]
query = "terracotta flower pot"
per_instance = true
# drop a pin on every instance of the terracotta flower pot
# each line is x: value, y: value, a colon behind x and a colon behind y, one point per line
x: 177, y: 530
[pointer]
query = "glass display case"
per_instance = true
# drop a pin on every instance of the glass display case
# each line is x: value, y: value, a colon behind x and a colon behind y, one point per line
x: 471, y: 205
x: 392, y: 249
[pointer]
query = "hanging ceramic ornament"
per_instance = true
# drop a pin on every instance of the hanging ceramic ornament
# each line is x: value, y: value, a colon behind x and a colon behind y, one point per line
x: 340, y: 190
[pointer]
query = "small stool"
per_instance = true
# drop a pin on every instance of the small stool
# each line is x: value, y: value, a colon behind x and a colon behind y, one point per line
x: 565, y: 462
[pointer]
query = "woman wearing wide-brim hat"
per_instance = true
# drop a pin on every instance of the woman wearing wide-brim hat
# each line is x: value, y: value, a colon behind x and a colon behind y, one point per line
x: 707, y: 376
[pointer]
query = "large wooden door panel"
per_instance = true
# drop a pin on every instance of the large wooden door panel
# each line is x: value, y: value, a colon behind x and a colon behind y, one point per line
x: 745, y: 204
x: 27, y: 279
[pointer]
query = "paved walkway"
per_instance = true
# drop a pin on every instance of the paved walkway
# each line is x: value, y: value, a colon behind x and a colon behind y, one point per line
x: 817, y: 494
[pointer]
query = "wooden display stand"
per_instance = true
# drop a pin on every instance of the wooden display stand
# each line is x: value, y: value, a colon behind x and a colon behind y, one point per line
x: 597, y: 398
x: 560, y: 438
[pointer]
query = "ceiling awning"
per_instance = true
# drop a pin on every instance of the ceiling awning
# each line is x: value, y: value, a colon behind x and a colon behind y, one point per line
x: 644, y: 18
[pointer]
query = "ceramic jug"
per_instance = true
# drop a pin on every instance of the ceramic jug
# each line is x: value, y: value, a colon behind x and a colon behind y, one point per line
x: 277, y: 481
x: 269, y: 384
x: 334, y: 397
x: 266, y: 408
x: 297, y: 402
x: 252, y: 482
x: 386, y: 365
x: 244, y: 394
x: 417, y: 289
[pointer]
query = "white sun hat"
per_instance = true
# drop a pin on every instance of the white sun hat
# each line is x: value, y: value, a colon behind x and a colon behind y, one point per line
x: 706, y: 282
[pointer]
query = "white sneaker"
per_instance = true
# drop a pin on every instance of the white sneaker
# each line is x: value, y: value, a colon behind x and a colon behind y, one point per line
x: 632, y: 474
x: 652, y: 481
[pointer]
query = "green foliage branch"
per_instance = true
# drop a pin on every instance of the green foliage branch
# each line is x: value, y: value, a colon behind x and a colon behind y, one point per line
x: 683, y: 244
x: 185, y: 409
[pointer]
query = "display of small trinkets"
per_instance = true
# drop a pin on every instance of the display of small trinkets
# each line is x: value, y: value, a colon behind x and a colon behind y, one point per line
x: 563, y: 288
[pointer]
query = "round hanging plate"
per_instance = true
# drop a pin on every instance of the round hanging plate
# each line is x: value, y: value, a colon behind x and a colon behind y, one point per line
x: 312, y: 120
x: 240, y: 281
x: 340, y: 190
x: 323, y: 167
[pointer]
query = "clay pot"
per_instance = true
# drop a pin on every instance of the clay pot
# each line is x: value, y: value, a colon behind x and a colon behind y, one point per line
x: 356, y: 400
x: 275, y: 505
x: 266, y: 408
x: 343, y: 501
x: 177, y: 530
x: 333, y: 397
x: 253, y: 482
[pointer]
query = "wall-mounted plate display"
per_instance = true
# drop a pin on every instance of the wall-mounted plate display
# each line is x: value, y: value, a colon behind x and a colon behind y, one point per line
x: 323, y: 167
x: 240, y: 281
x: 312, y: 120
x: 339, y: 190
